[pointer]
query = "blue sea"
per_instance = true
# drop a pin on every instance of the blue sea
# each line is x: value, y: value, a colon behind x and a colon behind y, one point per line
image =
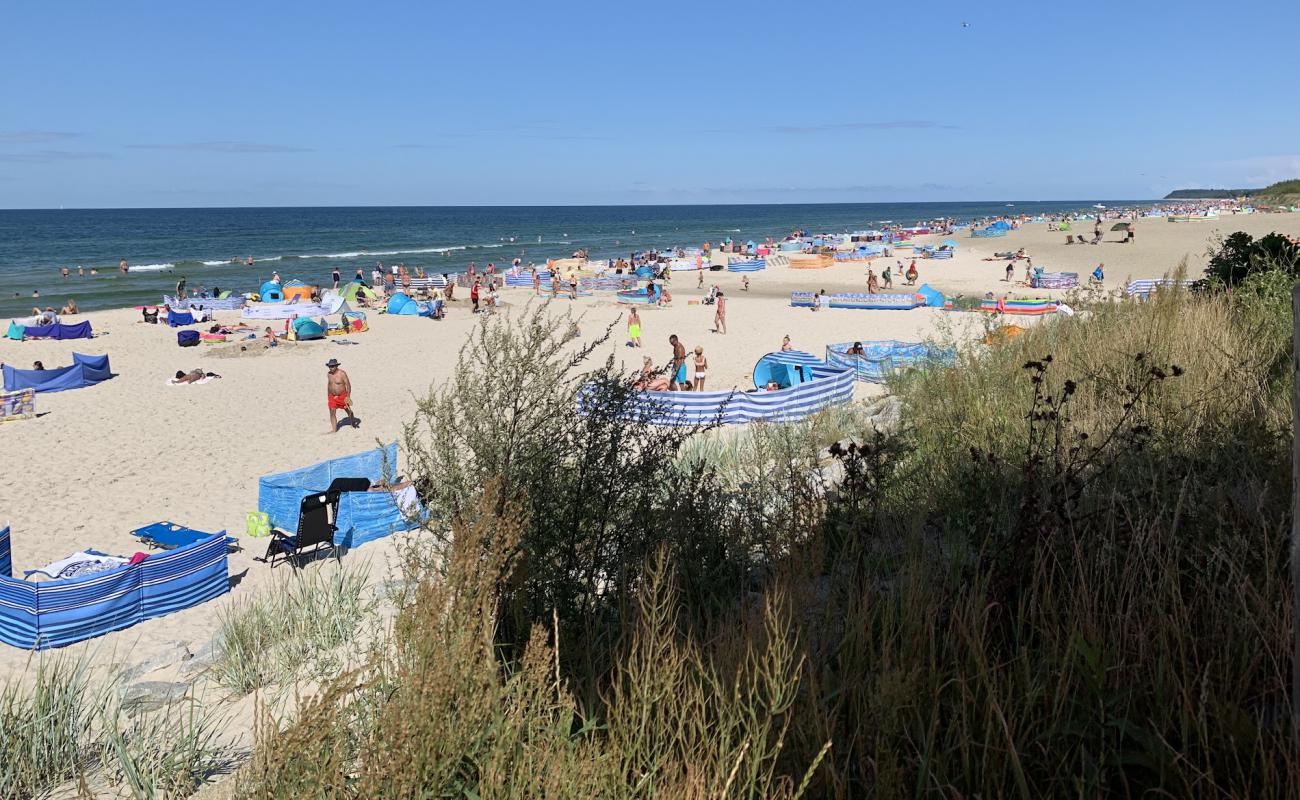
x: 163, y: 245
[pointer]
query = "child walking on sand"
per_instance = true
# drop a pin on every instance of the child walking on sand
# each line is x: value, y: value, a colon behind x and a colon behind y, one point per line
x: 634, y: 329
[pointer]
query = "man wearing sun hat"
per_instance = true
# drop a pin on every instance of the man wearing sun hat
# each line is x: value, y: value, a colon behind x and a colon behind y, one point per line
x: 338, y: 394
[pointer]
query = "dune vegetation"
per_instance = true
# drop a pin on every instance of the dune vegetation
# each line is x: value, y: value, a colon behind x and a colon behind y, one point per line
x: 1064, y: 575
x: 1063, y: 572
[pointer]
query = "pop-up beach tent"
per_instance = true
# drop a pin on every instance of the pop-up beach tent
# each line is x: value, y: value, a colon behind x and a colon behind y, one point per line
x: 271, y: 292
x: 304, y: 329
x: 85, y: 371
x: 354, y: 290
x: 786, y: 368
x: 299, y: 291
x: 362, y: 516
x: 404, y: 305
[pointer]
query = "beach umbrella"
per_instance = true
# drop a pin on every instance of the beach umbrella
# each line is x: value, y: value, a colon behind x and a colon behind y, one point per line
x: 1119, y: 226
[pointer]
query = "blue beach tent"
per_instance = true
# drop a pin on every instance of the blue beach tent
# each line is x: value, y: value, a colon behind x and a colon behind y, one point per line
x: 789, y: 368
x: 305, y: 328
x: 271, y: 292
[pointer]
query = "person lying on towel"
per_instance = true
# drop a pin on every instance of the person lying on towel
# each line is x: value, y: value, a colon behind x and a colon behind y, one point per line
x: 193, y: 376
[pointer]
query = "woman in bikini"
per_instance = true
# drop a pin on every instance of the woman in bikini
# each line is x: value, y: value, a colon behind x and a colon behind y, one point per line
x: 701, y: 368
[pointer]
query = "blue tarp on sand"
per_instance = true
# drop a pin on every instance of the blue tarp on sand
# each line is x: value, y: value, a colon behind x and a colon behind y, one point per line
x: 85, y: 371
x: 362, y: 516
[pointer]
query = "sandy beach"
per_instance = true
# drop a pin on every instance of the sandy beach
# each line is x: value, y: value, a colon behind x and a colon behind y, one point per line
x: 99, y: 462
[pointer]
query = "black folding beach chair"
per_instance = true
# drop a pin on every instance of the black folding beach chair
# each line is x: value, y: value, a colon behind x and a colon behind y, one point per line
x: 315, y: 533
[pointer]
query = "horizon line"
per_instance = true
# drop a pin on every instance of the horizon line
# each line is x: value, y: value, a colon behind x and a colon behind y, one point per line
x: 575, y: 205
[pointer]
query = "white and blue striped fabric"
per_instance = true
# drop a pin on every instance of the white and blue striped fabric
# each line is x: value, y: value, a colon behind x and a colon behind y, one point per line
x: 428, y: 283
x: 829, y: 386
x: 1144, y: 288
x: 329, y: 304
x: 525, y: 279
x: 232, y: 303
x: 753, y: 265
x: 612, y: 283
x: 883, y: 358
x: 36, y: 616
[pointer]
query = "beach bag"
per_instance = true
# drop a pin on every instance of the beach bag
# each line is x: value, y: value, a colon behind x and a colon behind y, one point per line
x: 187, y: 338
x: 257, y: 524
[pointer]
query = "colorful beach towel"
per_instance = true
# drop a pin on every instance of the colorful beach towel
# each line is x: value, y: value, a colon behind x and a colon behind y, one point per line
x: 86, y: 562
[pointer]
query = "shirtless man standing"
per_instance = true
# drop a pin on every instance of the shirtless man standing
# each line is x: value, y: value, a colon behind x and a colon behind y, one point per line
x: 677, y: 379
x: 338, y: 394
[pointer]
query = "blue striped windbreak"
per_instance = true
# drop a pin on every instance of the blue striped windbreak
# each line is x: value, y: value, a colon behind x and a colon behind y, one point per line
x: 828, y: 386
x: 58, y: 613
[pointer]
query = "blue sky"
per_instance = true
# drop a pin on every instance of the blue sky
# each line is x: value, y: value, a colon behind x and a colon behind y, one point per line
x: 386, y: 103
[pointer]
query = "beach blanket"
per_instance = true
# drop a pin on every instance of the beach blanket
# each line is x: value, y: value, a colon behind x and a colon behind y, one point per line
x: 204, y: 379
x: 86, y: 562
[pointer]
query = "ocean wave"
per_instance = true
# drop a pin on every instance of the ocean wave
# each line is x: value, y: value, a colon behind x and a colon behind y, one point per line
x: 368, y: 253
x: 214, y: 263
x: 151, y: 267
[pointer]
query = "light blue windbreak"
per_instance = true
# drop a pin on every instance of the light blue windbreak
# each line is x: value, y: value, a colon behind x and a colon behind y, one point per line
x: 362, y: 516
x: 883, y: 358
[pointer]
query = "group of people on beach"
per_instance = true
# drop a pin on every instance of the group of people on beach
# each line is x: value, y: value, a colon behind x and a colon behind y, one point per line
x: 686, y: 372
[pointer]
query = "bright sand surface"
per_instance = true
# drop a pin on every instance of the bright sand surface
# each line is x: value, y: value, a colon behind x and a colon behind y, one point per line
x: 99, y: 462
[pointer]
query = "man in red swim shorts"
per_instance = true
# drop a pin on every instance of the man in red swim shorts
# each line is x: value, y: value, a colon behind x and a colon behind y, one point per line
x: 338, y: 393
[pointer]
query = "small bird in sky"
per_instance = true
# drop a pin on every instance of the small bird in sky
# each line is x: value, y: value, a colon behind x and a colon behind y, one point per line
x: 965, y: 24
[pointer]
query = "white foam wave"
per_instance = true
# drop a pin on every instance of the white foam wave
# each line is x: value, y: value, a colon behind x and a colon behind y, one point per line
x: 368, y: 253
x: 151, y: 267
x: 214, y: 263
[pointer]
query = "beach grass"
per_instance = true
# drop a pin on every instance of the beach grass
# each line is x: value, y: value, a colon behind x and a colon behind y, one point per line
x: 300, y: 629
x: 46, y: 726
x: 1065, y: 576
x: 166, y: 753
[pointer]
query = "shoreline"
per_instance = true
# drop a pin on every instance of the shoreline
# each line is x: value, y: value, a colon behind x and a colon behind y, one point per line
x: 448, y: 247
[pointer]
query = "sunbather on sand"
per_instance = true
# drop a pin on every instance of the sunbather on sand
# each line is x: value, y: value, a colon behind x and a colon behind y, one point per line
x: 193, y: 376
x: 384, y: 486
